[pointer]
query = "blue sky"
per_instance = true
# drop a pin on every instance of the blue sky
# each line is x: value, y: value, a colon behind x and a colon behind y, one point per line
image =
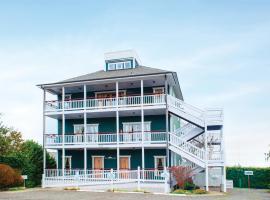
x: 220, y: 50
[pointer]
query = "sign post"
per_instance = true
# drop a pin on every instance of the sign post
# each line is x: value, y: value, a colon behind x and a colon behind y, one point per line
x: 248, y: 173
x: 24, y: 177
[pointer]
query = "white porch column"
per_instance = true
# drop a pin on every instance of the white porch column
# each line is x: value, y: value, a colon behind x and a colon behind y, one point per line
x: 223, y: 156
x: 44, y: 131
x: 167, y: 123
x: 85, y: 127
x: 117, y: 128
x: 142, y: 126
x: 63, y: 130
x: 206, y: 154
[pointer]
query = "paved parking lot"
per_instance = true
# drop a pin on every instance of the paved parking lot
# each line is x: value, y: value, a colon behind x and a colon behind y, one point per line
x: 52, y: 194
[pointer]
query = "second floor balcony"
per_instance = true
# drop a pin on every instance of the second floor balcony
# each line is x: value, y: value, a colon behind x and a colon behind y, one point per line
x: 95, y: 139
x: 104, y: 103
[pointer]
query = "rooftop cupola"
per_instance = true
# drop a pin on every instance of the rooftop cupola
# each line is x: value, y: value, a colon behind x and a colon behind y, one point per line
x: 119, y: 60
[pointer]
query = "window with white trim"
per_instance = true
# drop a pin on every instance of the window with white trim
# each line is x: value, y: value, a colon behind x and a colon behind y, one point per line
x: 90, y: 128
x: 127, y: 65
x: 158, y: 90
x: 67, y: 162
x: 132, y: 127
x: 119, y: 65
x: 111, y: 66
x: 160, y: 162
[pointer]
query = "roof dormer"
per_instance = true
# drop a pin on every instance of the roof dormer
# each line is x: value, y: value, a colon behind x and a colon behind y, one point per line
x: 120, y: 60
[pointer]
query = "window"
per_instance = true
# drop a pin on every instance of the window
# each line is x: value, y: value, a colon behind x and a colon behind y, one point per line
x: 127, y: 65
x: 133, y: 130
x: 90, y: 128
x: 78, y: 129
x: 67, y: 162
x: 111, y: 66
x: 160, y: 162
x: 158, y: 90
x: 67, y: 97
x: 133, y: 127
x: 119, y: 65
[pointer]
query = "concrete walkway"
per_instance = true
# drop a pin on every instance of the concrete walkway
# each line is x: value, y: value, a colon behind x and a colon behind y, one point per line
x: 56, y: 194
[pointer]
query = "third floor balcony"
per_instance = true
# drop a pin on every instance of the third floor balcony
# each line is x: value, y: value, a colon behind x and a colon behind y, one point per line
x: 105, y: 103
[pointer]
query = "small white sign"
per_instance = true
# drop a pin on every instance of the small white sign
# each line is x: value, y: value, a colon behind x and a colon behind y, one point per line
x: 248, y: 173
x: 24, y: 177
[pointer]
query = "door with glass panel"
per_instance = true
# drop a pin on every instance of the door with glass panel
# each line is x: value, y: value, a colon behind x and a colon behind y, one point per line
x: 132, y: 131
x: 92, y: 133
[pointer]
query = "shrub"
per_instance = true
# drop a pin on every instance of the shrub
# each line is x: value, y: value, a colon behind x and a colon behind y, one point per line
x: 9, y: 177
x: 12, y: 161
x: 260, y: 179
x: 181, y: 175
x: 189, y: 186
x: 199, y: 191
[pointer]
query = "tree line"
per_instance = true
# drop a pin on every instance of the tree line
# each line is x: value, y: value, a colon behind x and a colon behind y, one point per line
x: 25, y: 157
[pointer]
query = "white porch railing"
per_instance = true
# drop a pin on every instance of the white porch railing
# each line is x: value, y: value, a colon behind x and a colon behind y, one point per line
x: 101, y: 138
x: 186, y: 146
x: 187, y: 111
x: 74, y: 177
x: 147, y: 174
x: 108, y: 138
x: 54, y: 106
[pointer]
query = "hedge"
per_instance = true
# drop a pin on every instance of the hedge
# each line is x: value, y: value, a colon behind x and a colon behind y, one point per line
x: 12, y: 161
x: 260, y: 179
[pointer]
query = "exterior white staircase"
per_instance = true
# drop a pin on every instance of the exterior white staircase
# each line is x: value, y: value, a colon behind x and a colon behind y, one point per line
x: 186, y: 150
x: 186, y: 111
x: 180, y: 141
x: 189, y: 131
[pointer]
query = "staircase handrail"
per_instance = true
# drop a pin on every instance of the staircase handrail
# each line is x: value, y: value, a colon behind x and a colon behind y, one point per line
x: 186, y: 146
x: 187, y: 108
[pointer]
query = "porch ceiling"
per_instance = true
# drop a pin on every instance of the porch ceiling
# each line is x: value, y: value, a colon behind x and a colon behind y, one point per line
x: 109, y: 85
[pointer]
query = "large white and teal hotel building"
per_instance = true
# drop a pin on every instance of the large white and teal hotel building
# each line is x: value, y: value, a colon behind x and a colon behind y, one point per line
x: 126, y: 116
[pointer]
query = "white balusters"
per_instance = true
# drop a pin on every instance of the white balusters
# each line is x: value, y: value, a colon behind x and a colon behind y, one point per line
x: 54, y: 106
x: 186, y: 146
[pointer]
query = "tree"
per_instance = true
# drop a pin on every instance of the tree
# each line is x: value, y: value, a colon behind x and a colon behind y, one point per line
x: 10, y: 140
x: 32, y: 154
x: 267, y: 155
x: 24, y: 156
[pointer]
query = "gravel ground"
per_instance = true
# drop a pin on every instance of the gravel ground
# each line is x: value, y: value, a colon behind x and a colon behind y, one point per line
x: 51, y: 194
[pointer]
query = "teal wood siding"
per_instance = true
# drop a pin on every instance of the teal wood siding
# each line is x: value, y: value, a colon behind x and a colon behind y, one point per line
x: 110, y: 161
x: 158, y: 123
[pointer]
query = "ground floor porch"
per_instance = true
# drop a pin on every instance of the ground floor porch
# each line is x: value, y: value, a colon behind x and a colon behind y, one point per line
x: 103, y: 159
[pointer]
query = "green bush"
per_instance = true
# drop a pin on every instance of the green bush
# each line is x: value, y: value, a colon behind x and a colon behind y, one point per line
x: 189, y: 186
x: 12, y: 161
x: 260, y: 179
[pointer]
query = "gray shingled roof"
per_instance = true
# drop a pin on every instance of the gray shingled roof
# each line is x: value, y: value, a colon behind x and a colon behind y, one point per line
x: 101, y: 74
